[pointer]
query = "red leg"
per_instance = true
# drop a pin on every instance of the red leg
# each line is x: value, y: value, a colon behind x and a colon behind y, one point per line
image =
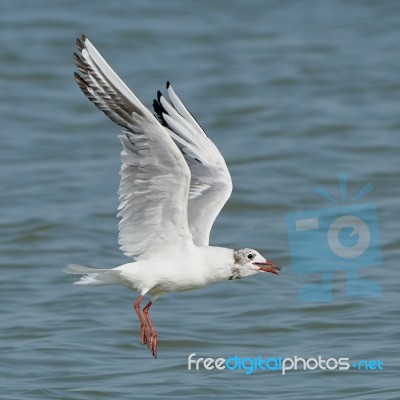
x: 153, y: 334
x: 143, y: 326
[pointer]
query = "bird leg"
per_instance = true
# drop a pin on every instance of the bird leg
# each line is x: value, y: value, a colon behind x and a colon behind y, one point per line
x: 143, y: 326
x: 153, y: 335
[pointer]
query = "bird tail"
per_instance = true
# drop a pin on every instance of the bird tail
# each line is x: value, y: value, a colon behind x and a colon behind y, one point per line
x: 94, y: 276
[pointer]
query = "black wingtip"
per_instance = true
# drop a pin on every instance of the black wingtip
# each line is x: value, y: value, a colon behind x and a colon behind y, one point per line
x: 79, y: 44
x: 159, y: 110
x: 168, y: 84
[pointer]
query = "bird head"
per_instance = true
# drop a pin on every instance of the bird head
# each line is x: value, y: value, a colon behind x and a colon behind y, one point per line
x: 249, y: 262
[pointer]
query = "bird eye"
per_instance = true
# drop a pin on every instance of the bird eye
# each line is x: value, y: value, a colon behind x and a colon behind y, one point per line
x: 250, y: 256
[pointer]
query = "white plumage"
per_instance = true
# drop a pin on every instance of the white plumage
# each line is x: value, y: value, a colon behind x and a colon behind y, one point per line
x: 174, y: 183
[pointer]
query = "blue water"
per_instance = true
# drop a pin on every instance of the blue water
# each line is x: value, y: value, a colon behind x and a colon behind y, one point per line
x: 293, y: 93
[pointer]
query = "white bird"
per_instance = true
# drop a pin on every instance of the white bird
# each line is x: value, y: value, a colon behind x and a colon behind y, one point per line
x: 174, y: 183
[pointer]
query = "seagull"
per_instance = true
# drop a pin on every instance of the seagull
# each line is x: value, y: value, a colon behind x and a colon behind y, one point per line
x: 174, y: 182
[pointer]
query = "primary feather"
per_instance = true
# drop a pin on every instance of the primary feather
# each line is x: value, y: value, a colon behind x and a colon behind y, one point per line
x: 151, y: 214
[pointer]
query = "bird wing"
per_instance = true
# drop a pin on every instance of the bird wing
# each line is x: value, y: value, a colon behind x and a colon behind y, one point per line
x: 211, y: 183
x: 155, y: 177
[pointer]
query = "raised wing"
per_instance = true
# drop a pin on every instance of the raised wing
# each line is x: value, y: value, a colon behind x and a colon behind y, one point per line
x: 211, y: 183
x: 155, y: 177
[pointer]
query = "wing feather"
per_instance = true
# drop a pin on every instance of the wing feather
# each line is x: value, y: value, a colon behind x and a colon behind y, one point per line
x: 155, y: 177
x: 211, y: 183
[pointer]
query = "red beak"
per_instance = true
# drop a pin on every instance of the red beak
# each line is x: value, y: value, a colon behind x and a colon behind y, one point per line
x: 268, y: 266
